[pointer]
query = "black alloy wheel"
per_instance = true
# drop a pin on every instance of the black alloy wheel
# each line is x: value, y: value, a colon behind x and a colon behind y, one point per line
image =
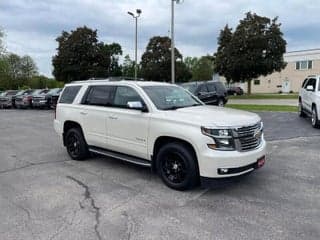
x: 177, y: 166
x: 76, y: 144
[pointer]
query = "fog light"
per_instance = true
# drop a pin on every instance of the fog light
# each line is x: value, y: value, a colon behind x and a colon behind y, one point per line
x: 223, y: 170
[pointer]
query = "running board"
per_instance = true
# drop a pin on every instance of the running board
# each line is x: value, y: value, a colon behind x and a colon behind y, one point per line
x: 120, y: 156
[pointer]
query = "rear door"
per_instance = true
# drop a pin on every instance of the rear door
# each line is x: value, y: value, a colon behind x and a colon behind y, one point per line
x: 212, y: 93
x: 127, y: 129
x: 95, y: 115
x: 203, y: 93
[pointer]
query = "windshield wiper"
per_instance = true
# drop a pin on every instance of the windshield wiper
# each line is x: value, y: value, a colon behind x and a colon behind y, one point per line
x: 173, y: 107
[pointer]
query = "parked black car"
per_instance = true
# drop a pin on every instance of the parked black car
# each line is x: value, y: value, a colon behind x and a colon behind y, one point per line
x: 46, y: 99
x: 209, y: 92
x: 6, y: 98
x: 235, y: 91
x: 54, y: 98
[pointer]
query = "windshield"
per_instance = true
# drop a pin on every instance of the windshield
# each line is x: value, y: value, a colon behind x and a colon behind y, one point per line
x: 190, y: 87
x: 170, y: 97
x: 54, y: 91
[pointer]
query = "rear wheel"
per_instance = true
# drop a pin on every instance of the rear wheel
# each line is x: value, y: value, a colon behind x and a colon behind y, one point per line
x: 300, y: 110
x: 314, y: 118
x: 76, y: 145
x: 176, y: 165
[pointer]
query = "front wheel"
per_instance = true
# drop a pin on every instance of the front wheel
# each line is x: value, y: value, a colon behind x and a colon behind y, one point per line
x: 76, y: 145
x: 177, y: 167
x: 220, y: 102
x: 314, y: 118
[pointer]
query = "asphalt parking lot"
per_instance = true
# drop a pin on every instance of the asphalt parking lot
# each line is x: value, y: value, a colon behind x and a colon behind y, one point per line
x: 45, y: 195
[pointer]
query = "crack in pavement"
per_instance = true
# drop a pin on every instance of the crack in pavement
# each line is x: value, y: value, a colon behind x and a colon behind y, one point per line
x: 87, y: 195
x: 130, y: 224
x: 30, y: 164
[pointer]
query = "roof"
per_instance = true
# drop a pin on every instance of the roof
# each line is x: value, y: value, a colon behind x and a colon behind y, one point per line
x: 121, y: 82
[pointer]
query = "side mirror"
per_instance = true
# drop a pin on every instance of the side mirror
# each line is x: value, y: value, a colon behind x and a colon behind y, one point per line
x: 137, y: 105
x: 310, y: 88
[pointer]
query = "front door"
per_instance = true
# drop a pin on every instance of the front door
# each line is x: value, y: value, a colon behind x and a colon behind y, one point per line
x: 127, y: 129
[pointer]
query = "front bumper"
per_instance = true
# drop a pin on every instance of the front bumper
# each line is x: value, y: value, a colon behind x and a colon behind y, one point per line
x: 222, y: 164
x: 6, y: 104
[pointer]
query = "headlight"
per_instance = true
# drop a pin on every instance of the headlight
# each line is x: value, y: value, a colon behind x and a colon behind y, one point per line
x: 223, y: 138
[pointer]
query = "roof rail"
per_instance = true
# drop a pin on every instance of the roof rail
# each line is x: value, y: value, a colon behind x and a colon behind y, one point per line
x: 111, y: 79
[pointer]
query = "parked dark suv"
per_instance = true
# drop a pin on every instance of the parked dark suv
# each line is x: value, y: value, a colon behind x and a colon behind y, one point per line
x: 209, y: 92
x: 46, y: 99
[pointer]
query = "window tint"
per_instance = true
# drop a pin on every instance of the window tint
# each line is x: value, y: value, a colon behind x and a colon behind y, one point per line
x: 211, y: 87
x: 69, y: 94
x: 99, y: 96
x: 220, y: 87
x: 311, y: 82
x: 123, y: 95
x: 203, y: 88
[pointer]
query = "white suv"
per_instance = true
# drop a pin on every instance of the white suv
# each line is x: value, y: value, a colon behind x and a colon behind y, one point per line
x: 309, y: 99
x: 162, y: 126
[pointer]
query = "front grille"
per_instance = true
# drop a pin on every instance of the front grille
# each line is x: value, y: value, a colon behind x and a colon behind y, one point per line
x: 249, y: 137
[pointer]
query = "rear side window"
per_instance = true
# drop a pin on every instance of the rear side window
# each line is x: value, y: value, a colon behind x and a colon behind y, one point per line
x: 69, y: 94
x: 99, y: 96
x: 211, y: 87
x: 304, y: 82
x: 203, y: 88
x: 220, y: 87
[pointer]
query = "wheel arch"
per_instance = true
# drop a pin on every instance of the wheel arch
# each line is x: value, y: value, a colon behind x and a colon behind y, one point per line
x: 162, y: 140
x: 69, y: 125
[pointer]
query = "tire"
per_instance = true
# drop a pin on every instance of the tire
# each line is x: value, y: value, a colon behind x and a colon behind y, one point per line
x: 76, y: 145
x: 314, y: 118
x: 300, y: 110
x: 220, y: 102
x: 177, y: 166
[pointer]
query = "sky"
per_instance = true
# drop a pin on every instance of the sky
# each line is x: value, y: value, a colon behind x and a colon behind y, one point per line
x: 31, y: 26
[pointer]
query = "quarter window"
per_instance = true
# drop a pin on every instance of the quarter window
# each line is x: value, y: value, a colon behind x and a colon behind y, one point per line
x: 69, y: 94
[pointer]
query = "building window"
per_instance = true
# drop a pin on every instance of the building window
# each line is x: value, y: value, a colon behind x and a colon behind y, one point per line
x: 256, y: 82
x: 304, y: 65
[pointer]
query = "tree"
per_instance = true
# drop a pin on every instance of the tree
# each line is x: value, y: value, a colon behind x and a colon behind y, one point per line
x: 128, y: 67
x: 114, y: 51
x: 80, y: 56
x: 156, y: 61
x: 201, y: 68
x: 2, y: 48
x: 255, y: 48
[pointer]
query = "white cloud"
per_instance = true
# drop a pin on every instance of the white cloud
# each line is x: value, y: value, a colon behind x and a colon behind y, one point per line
x: 32, y: 25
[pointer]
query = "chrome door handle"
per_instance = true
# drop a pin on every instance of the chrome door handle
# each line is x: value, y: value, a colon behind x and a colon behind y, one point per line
x: 83, y: 113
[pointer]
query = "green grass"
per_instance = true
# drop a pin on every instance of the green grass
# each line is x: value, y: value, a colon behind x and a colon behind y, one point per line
x: 261, y: 108
x: 267, y: 96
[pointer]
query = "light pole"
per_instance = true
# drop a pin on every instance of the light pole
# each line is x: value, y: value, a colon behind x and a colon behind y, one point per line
x: 172, y: 40
x: 135, y: 16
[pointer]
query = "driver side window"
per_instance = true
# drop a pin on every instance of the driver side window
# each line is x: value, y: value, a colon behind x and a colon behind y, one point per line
x: 125, y: 94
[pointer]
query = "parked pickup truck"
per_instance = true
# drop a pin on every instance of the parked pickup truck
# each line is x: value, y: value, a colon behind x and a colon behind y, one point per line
x: 162, y: 126
x: 309, y: 99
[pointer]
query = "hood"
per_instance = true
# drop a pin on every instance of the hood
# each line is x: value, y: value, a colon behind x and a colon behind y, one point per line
x: 213, y: 116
